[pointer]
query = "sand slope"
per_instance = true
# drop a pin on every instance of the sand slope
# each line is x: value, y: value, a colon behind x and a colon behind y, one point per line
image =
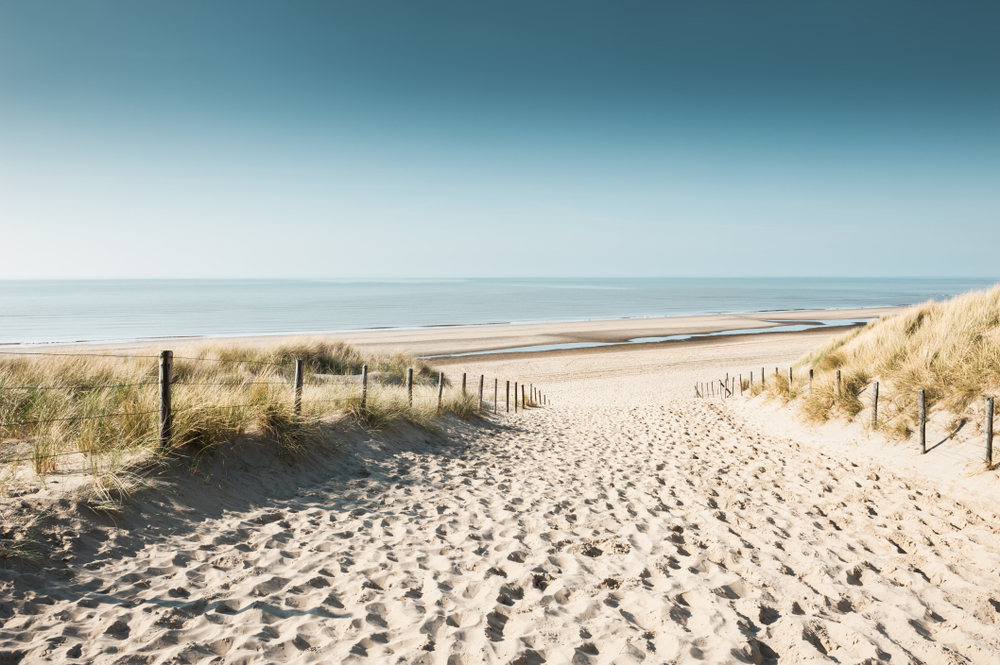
x: 620, y: 525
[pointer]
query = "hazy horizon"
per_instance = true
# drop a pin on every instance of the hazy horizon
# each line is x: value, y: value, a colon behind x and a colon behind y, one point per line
x: 447, y: 140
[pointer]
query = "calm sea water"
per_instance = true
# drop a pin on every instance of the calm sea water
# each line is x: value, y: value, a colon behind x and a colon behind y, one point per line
x: 72, y: 311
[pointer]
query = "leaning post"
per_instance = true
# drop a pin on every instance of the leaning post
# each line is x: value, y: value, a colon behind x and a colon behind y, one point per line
x: 989, y: 432
x: 922, y: 407
x: 297, y: 395
x: 409, y: 385
x: 440, y: 389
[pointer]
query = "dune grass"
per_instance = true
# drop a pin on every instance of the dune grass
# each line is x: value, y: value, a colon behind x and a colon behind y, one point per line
x: 220, y: 392
x: 950, y: 349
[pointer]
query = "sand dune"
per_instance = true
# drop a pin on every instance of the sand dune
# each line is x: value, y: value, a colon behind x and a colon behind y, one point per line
x: 626, y: 523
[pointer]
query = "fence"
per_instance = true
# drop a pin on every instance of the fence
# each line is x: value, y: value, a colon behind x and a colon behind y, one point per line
x: 167, y: 384
x: 727, y: 388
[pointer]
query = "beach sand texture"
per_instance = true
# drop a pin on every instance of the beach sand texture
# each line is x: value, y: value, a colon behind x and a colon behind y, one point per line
x: 625, y: 523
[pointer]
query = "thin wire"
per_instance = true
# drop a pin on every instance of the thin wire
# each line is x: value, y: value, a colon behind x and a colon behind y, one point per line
x: 237, y: 385
x: 123, y: 385
x: 56, y: 420
x: 224, y: 360
x: 209, y: 408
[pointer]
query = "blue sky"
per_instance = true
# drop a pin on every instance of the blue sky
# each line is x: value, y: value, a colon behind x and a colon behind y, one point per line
x: 401, y: 139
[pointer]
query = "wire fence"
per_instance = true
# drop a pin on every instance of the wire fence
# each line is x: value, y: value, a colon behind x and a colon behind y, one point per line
x: 530, y: 396
x: 793, y: 385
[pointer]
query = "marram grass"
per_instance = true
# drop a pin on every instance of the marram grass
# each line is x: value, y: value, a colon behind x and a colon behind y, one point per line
x: 220, y: 392
x: 949, y: 349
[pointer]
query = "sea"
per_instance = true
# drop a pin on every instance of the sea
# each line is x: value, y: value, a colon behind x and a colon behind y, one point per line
x: 97, y: 311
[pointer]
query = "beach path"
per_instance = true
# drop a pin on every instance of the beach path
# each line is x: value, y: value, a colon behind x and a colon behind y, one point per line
x: 626, y: 523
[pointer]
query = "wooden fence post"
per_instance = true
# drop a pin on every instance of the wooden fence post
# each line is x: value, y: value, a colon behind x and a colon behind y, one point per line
x: 989, y: 432
x: 789, y: 380
x: 463, y: 384
x: 508, y: 396
x: 481, y: 379
x: 762, y: 383
x: 515, y: 397
x: 166, y: 415
x: 838, y: 384
x: 409, y: 385
x: 364, y: 386
x: 440, y: 389
x: 496, y: 394
x: 810, y: 382
x: 297, y: 395
x: 875, y: 405
x: 922, y: 407
x: 524, y: 404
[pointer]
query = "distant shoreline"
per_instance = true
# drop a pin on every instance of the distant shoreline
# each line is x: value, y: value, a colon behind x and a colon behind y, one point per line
x: 454, y: 340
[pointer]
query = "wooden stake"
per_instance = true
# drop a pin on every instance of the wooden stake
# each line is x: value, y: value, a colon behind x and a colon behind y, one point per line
x: 496, y: 391
x: 838, y: 384
x: 409, y: 385
x: 989, y: 432
x: 810, y: 382
x: 515, y: 397
x: 440, y: 389
x: 789, y: 380
x: 481, y: 379
x: 364, y: 386
x: 508, y: 396
x: 922, y: 408
x: 463, y: 384
x: 875, y: 405
x: 166, y: 415
x: 297, y: 392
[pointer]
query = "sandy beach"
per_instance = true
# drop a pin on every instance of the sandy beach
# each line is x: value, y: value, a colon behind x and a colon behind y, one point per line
x: 626, y: 522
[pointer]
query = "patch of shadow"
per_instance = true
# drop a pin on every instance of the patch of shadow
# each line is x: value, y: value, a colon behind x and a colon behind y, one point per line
x: 768, y: 615
x: 529, y: 657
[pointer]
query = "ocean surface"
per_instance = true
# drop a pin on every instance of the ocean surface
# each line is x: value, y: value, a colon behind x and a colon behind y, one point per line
x: 121, y: 310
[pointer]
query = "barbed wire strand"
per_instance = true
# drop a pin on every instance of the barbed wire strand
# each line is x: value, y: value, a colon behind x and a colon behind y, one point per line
x: 227, y: 360
x: 237, y: 385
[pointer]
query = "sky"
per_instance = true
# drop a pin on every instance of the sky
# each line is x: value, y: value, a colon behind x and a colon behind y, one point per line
x: 519, y: 139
